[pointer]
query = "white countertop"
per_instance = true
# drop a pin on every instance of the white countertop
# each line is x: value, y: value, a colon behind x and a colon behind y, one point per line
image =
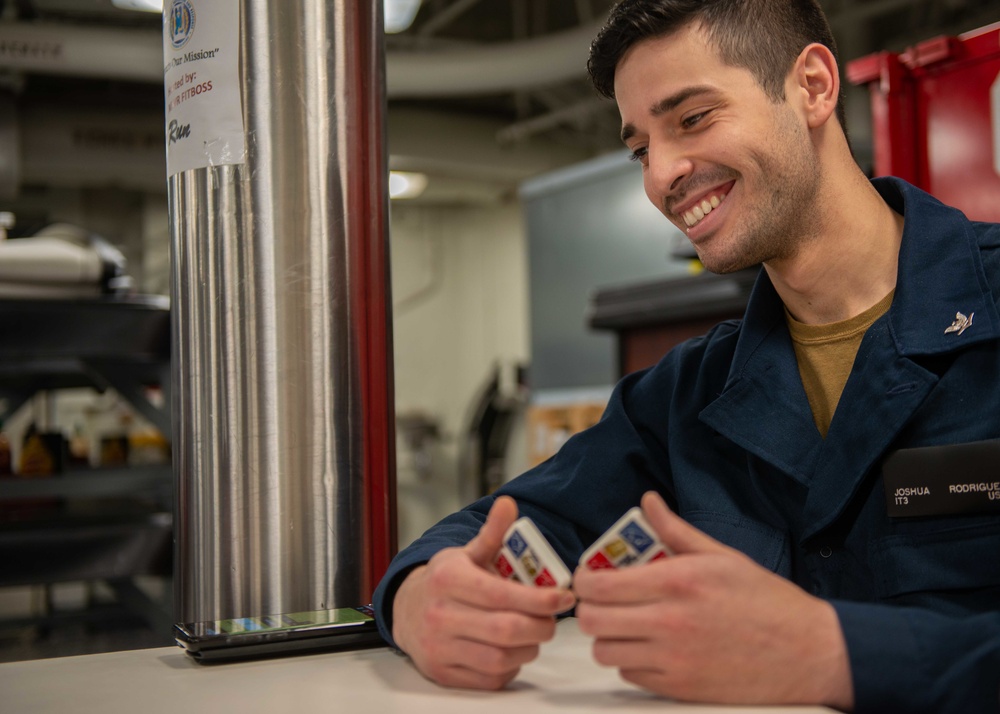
x: 165, y: 680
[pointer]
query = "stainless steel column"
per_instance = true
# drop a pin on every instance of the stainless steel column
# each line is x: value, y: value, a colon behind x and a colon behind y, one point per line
x: 281, y: 342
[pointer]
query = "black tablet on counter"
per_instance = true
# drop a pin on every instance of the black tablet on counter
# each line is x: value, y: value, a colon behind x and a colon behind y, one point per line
x: 271, y: 635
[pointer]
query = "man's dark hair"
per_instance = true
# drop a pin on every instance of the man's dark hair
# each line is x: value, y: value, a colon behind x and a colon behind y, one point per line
x: 762, y: 36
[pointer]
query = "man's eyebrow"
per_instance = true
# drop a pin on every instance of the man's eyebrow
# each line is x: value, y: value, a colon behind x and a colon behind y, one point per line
x: 669, y: 104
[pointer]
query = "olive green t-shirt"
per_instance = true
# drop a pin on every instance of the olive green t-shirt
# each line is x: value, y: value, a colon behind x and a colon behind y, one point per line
x: 826, y: 353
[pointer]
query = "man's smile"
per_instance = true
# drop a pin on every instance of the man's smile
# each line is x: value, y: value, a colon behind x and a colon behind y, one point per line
x: 692, y: 212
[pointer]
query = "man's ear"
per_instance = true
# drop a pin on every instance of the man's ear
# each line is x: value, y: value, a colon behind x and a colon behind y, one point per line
x: 815, y: 79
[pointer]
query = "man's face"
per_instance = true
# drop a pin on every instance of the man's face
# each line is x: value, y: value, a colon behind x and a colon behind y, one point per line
x: 732, y: 169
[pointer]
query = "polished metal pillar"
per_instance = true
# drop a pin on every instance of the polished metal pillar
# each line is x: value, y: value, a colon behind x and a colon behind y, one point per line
x: 281, y: 342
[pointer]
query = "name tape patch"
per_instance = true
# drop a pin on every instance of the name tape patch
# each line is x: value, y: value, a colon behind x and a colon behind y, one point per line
x: 954, y: 479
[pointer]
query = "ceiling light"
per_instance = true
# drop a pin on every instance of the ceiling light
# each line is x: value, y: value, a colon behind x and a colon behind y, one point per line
x: 404, y: 184
x: 143, y: 5
x: 399, y: 14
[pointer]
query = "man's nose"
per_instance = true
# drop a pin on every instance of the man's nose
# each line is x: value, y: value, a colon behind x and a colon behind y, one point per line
x: 667, y: 171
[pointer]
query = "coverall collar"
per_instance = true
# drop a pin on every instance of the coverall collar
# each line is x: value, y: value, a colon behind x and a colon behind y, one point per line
x: 763, y: 407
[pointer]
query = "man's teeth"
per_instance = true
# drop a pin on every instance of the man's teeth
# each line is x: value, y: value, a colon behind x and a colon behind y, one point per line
x: 702, y: 209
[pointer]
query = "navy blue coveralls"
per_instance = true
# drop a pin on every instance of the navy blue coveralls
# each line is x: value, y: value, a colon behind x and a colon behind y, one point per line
x: 722, y: 429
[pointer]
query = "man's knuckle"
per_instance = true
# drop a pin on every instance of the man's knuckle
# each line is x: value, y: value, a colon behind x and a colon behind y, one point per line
x: 604, y: 587
x: 501, y: 628
x: 500, y: 680
x: 586, y: 618
x: 636, y: 677
x: 518, y: 627
x: 495, y: 662
x: 546, y: 630
x: 434, y: 618
x: 677, y: 627
x: 498, y: 598
x: 552, y: 601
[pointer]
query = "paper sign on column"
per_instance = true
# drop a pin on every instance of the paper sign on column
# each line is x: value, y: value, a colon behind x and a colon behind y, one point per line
x: 204, y: 111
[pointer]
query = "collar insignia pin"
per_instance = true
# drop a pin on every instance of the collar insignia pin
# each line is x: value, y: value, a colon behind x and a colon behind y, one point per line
x: 961, y: 323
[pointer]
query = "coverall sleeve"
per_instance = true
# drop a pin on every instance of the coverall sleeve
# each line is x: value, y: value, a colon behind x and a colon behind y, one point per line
x: 915, y: 661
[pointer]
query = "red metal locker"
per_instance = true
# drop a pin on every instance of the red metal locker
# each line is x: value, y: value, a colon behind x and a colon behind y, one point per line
x: 936, y: 117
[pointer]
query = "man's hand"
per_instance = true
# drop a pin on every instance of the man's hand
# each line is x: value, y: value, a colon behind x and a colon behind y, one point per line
x: 465, y: 626
x: 708, y: 624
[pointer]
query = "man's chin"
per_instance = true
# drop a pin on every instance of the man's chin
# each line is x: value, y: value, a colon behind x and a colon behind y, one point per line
x: 722, y: 266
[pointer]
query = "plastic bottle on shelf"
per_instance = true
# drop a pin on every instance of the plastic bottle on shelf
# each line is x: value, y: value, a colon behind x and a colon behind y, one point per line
x: 37, y: 458
x: 79, y: 449
x: 148, y: 447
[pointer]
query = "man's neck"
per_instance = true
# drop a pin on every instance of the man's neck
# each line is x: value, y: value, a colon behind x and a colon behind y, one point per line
x: 850, y: 264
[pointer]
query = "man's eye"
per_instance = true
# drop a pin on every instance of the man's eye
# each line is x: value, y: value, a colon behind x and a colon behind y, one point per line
x: 691, y: 121
x: 638, y: 155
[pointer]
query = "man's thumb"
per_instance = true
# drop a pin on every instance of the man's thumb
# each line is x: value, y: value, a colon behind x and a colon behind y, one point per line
x: 676, y: 533
x: 483, y: 548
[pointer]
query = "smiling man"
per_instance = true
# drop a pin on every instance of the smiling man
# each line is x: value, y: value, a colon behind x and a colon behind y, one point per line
x: 769, y: 454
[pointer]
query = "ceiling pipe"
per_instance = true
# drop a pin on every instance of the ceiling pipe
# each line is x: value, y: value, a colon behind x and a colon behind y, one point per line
x: 137, y: 55
x: 574, y: 113
x: 491, y: 69
x: 445, y: 17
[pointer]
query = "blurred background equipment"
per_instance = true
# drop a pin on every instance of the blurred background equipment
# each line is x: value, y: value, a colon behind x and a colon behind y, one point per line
x: 486, y: 443
x: 936, y: 113
x: 61, y: 260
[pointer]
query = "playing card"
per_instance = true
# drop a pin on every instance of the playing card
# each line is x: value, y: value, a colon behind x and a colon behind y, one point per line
x: 527, y: 557
x: 630, y: 541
